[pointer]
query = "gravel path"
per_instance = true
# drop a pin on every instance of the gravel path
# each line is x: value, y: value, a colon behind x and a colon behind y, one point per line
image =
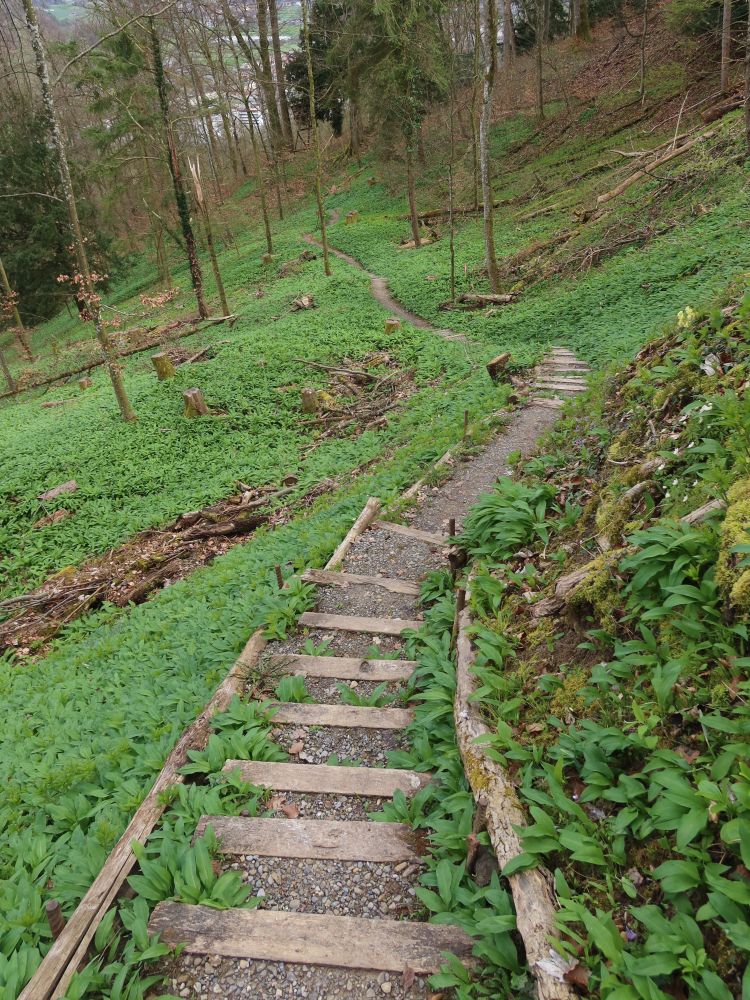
x: 349, y: 888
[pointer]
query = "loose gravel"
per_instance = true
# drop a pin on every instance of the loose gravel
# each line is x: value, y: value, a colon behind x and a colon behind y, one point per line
x: 311, y: 745
x: 341, y: 888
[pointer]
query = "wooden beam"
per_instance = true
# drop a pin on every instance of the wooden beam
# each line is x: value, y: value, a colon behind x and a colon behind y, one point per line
x: 327, y: 578
x: 344, y: 716
x: 408, y: 532
x: 343, y: 667
x: 70, y: 949
x: 327, y: 779
x: 533, y: 896
x: 310, y: 938
x: 338, y: 840
x: 356, y: 623
x: 369, y: 512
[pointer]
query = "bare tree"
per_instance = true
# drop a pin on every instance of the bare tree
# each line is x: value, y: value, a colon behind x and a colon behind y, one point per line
x: 278, y: 62
x: 11, y: 306
x: 173, y: 162
x: 315, y: 138
x: 726, y: 45
x: 87, y: 293
x: 747, y: 84
x: 488, y: 26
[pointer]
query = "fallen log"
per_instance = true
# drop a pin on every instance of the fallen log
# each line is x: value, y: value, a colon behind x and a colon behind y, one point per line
x: 475, y: 301
x: 719, y: 110
x: 602, y: 199
x: 369, y: 512
x: 533, y: 895
x: 699, y: 516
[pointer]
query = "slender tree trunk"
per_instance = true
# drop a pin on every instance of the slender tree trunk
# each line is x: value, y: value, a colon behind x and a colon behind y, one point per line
x: 509, y: 33
x: 644, y: 32
x: 173, y: 161
x: 583, y: 24
x: 260, y: 181
x: 274, y: 121
x: 489, y: 47
x: 206, y: 216
x: 278, y: 61
x: 412, y: 194
x: 726, y: 45
x: 315, y: 139
x: 21, y: 332
x: 474, y: 103
x: 539, y: 50
x: 747, y: 84
x: 12, y: 387
x: 91, y: 299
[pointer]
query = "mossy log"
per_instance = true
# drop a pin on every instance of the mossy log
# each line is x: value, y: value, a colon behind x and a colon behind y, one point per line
x: 163, y: 365
x: 195, y: 404
x: 533, y: 895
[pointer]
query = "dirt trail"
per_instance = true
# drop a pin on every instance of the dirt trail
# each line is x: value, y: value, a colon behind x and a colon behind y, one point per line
x: 338, y: 915
x: 380, y: 290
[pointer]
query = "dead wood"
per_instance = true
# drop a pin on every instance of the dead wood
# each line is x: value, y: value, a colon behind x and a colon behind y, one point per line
x: 475, y: 301
x: 660, y: 161
x: 532, y: 891
x: 699, y: 516
x: 719, y: 110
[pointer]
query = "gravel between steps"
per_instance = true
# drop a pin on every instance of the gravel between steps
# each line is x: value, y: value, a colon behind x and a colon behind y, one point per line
x: 208, y: 978
x: 368, y: 747
x: 343, y: 644
x: 341, y: 888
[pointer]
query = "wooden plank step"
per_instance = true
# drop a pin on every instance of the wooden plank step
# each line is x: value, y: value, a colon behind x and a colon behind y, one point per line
x: 563, y: 367
x: 560, y: 386
x: 343, y: 667
x: 346, y: 716
x: 310, y: 938
x: 327, y: 578
x: 408, y: 532
x: 564, y: 379
x: 339, y: 840
x: 555, y: 403
x: 329, y: 779
x: 356, y: 623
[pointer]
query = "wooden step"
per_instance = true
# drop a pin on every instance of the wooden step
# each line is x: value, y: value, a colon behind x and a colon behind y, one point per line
x: 339, y: 840
x: 563, y: 379
x: 555, y: 403
x: 310, y: 938
x: 343, y: 667
x: 408, y: 532
x: 329, y: 779
x: 326, y: 578
x: 347, y: 716
x: 356, y: 623
x: 560, y: 386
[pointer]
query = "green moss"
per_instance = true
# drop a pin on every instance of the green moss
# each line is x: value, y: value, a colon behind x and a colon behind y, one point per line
x: 599, y: 593
x: 567, y: 699
x: 733, y: 581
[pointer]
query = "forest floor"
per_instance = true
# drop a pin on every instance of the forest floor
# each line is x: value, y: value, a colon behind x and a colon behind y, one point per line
x: 92, y: 714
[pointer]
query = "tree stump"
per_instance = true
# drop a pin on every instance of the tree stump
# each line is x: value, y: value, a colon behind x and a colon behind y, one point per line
x: 195, y: 404
x: 267, y: 258
x: 163, y: 365
x: 351, y: 217
x: 497, y: 365
x: 392, y: 324
x: 84, y: 383
x: 310, y: 402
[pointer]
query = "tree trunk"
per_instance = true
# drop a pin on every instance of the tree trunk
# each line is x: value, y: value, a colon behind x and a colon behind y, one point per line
x: 489, y: 49
x: 412, y: 194
x: 274, y: 121
x: 509, y: 34
x: 315, y: 139
x: 206, y: 216
x: 583, y: 26
x: 726, y: 45
x: 21, y: 333
x: 91, y: 298
x: 474, y: 102
x: 539, y: 47
x: 174, y: 168
x: 12, y: 387
x: 278, y: 61
x: 747, y: 84
x: 644, y: 32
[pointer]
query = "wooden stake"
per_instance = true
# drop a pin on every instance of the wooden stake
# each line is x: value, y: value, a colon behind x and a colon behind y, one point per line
x: 279, y: 577
x: 452, y: 528
x: 309, y: 401
x: 195, y: 404
x: 460, y: 605
x: 55, y: 917
x: 466, y: 424
x: 163, y: 365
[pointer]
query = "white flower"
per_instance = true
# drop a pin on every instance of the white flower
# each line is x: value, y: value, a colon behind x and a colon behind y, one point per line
x: 666, y: 495
x: 692, y: 444
x: 675, y: 482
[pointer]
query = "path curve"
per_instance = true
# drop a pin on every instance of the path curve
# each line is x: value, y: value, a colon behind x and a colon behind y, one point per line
x: 380, y: 290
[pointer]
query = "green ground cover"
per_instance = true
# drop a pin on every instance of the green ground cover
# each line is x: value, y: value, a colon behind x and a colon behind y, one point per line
x: 624, y: 715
